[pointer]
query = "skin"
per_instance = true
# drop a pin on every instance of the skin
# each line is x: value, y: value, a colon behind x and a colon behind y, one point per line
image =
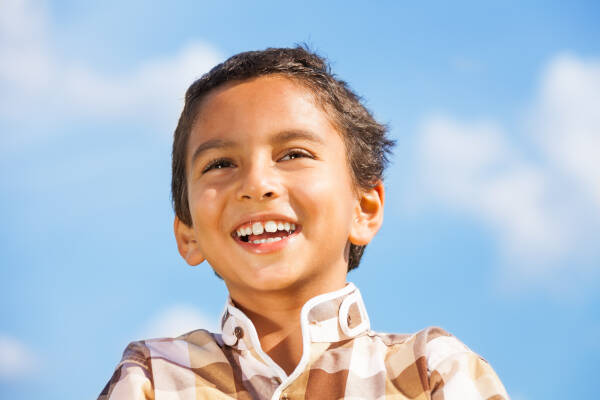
x: 270, y: 152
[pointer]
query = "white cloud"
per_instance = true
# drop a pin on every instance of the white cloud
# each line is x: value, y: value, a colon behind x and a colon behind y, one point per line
x: 541, y: 199
x: 176, y: 320
x: 36, y: 79
x: 24, y: 50
x: 567, y: 120
x: 16, y: 359
x: 154, y: 90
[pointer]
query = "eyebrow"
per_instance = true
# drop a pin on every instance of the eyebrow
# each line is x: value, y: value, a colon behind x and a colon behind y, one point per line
x: 296, y: 134
x: 210, y: 145
x: 279, y: 138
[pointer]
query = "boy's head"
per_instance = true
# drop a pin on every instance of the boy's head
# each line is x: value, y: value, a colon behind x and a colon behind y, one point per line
x: 365, y: 143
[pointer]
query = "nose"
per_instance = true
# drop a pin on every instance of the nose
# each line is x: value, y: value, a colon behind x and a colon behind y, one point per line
x: 259, y: 182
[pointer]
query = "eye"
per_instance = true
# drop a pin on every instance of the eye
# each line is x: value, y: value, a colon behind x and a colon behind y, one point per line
x: 296, y: 153
x: 219, y: 163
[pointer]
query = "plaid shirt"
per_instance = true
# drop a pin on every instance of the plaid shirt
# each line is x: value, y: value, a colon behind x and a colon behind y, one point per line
x: 342, y: 359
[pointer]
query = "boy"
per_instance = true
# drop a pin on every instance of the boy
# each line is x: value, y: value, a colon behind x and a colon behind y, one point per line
x: 277, y: 183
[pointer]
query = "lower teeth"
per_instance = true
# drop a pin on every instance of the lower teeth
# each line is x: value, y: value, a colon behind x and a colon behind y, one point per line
x: 269, y: 240
x: 246, y: 238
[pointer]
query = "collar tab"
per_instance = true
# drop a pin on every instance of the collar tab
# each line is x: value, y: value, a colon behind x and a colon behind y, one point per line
x: 330, y: 318
x: 340, y: 315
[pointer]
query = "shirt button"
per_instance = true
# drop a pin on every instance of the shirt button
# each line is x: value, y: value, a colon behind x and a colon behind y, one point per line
x: 238, y: 332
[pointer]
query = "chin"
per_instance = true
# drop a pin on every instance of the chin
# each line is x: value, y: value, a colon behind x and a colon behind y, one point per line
x: 273, y: 277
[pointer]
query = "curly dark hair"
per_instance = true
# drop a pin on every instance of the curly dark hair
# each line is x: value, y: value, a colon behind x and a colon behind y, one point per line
x: 365, y: 139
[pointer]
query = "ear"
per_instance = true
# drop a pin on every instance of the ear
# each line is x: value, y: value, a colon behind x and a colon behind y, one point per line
x: 186, y: 243
x: 368, y: 215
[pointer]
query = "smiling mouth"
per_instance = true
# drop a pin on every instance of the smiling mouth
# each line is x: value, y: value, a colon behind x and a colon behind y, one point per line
x: 260, y: 232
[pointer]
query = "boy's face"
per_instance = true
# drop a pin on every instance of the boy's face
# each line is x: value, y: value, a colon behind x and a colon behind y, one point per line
x: 263, y: 156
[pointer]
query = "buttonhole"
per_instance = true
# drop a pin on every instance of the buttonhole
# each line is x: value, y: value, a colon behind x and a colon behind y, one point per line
x: 238, y: 332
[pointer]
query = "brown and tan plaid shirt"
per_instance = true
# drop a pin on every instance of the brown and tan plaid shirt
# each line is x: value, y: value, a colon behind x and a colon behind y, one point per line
x: 342, y: 359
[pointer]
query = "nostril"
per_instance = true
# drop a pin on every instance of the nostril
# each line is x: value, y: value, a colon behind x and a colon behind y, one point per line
x: 268, y: 194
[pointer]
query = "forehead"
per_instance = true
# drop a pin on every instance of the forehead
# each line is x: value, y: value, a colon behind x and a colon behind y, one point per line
x: 255, y: 107
x: 262, y: 88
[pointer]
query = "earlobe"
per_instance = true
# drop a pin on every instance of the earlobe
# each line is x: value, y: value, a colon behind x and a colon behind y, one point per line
x: 368, y: 215
x: 186, y: 243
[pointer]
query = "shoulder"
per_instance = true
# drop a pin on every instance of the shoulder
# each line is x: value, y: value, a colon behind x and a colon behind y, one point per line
x: 162, y: 361
x: 147, y: 352
x: 437, y: 345
x: 132, y: 377
x: 137, y: 353
x: 420, y: 340
x: 446, y: 367
x: 456, y: 372
x: 426, y: 348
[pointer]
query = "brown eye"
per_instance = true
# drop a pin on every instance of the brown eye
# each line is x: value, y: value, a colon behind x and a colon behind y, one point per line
x: 291, y: 155
x: 218, y: 164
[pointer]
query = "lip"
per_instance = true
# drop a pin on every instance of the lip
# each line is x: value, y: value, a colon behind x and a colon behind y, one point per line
x: 262, y: 248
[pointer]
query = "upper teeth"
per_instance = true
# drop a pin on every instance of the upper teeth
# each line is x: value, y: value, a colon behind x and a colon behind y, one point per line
x: 258, y: 228
x: 270, y: 226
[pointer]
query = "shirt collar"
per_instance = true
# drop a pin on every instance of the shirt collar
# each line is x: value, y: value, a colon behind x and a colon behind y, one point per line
x: 329, y: 317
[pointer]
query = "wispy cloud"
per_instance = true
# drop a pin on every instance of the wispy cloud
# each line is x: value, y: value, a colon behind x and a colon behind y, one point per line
x: 25, y: 52
x: 566, y: 121
x: 16, y: 359
x: 540, y: 192
x: 177, y: 319
x: 35, y: 79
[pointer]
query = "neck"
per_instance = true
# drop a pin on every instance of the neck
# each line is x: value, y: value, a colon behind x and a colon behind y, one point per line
x: 276, y: 318
x: 280, y: 335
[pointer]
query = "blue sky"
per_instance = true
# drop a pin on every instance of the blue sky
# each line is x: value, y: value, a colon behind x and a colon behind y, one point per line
x: 493, y: 197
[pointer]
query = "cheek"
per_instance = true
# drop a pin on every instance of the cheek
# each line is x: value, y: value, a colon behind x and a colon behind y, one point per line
x: 327, y: 200
x: 204, y: 206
